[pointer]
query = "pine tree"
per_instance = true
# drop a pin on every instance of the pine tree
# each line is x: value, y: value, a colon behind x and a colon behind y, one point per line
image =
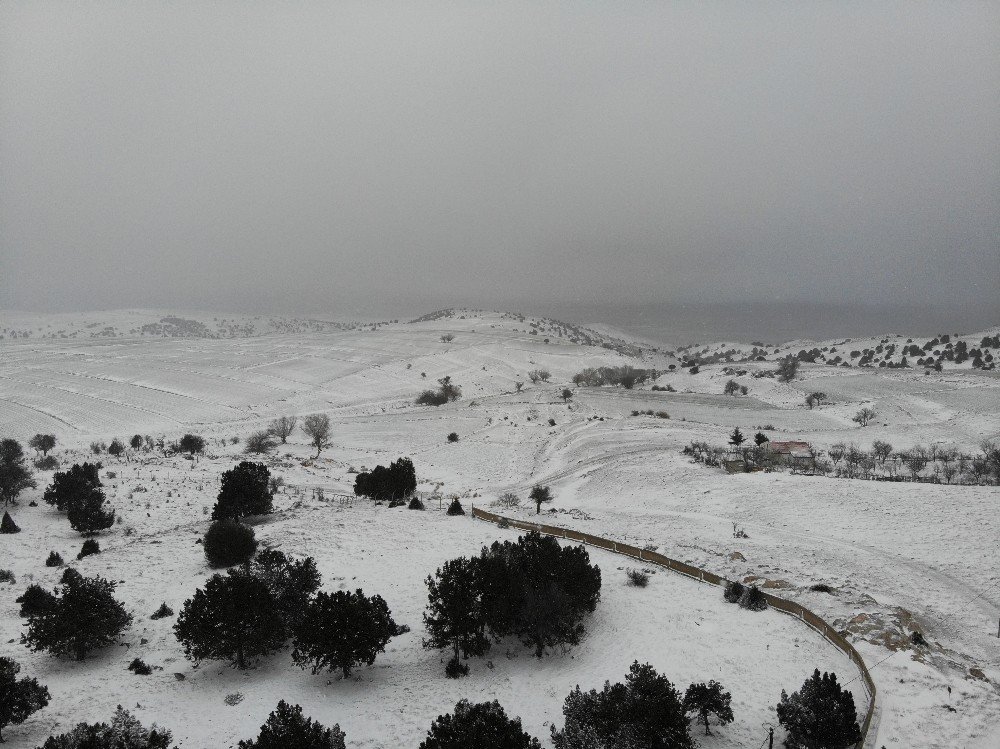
x: 19, y: 698
x: 7, y: 524
x: 244, y: 492
x: 15, y: 476
x: 709, y: 699
x: 484, y: 726
x: 454, y: 615
x: 87, y: 513
x: 821, y: 715
x: 736, y: 438
x: 537, y: 590
x: 290, y: 582
x: 760, y: 438
x: 84, y: 616
x: 73, y: 486
x: 228, y: 542
x: 234, y: 619
x: 287, y: 728
x: 645, y: 711
x: 340, y: 630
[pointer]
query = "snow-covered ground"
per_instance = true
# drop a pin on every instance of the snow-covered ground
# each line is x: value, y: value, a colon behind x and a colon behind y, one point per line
x: 898, y: 556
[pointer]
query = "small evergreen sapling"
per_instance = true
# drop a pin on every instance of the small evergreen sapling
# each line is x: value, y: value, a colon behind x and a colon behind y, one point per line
x: 734, y: 591
x: 287, y: 728
x: 19, y: 698
x: 752, y: 599
x: 89, y: 548
x: 54, y: 559
x: 455, y: 508
x: 7, y: 525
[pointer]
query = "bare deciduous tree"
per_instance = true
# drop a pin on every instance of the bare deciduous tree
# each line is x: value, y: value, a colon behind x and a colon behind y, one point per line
x: 864, y: 416
x: 317, y: 427
x: 283, y: 427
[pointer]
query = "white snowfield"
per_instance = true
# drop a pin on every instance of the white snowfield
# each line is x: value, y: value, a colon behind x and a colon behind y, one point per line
x: 899, y: 557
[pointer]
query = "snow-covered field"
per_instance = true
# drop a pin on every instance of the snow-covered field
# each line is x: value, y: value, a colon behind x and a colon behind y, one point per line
x: 898, y: 556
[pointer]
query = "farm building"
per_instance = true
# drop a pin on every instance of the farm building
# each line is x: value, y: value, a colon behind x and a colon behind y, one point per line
x: 795, y: 455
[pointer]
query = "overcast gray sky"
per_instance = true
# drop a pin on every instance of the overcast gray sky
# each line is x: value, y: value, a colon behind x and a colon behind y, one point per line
x: 266, y: 156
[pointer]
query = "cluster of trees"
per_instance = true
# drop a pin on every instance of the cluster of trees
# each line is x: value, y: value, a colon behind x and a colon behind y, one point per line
x: 647, y: 710
x: 732, y: 387
x: 78, y: 493
x: 624, y: 376
x: 82, y: 615
x: 393, y: 484
x: 934, y: 463
x: 447, y: 391
x: 123, y: 732
x: 539, y: 375
x: 533, y: 589
x: 882, y: 462
x: 255, y: 609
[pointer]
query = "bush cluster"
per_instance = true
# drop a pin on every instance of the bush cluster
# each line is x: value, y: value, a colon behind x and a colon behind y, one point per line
x: 394, y: 483
x: 228, y: 542
x: 78, y: 493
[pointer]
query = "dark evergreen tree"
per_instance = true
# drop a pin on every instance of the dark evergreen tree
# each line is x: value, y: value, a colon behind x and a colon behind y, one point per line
x: 291, y: 582
x: 19, y: 698
x: 287, y: 728
x: 540, y: 494
x: 244, y: 492
x: 484, y: 726
x: 821, y: 715
x: 340, y: 630
x: 538, y: 590
x: 7, y: 524
x: 234, y: 619
x: 54, y: 559
x: 42, y: 443
x: 760, y: 438
x: 708, y: 699
x: 90, y: 547
x: 396, y: 482
x: 454, y: 616
x: 15, y: 476
x: 36, y: 600
x: 228, y: 542
x: 85, y: 616
x: 753, y: 599
x: 124, y: 732
x: 736, y: 438
x: 74, y: 486
x: 734, y: 591
x: 788, y: 368
x: 455, y: 508
x: 645, y: 711
x: 136, y: 441
x: 116, y: 448
x: 192, y: 443
x: 87, y: 513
